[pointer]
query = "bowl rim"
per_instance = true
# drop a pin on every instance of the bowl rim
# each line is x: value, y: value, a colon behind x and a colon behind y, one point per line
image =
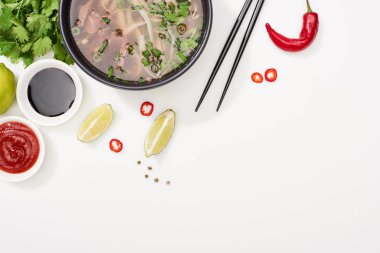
x: 14, y: 178
x: 88, y: 68
x: 22, y: 93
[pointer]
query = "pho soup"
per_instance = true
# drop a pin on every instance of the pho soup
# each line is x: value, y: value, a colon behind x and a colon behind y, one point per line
x: 137, y: 40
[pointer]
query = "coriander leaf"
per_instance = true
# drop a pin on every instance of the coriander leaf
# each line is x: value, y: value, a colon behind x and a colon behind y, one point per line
x: 21, y: 33
x: 171, y: 17
x: 59, y: 51
x: 42, y: 46
x: 14, y: 55
x: 6, y: 47
x: 61, y: 54
x: 27, y: 58
x: 36, y: 4
x: 39, y: 24
x: 26, y: 47
x: 69, y: 60
x: 6, y: 18
x: 33, y: 22
x: 49, y: 6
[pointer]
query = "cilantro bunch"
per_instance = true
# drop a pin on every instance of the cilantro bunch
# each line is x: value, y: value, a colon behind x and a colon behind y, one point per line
x: 30, y: 28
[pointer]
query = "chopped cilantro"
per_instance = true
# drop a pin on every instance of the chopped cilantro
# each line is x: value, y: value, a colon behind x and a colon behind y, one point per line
x: 182, y: 56
x: 110, y: 72
x: 106, y: 20
x: 117, y: 56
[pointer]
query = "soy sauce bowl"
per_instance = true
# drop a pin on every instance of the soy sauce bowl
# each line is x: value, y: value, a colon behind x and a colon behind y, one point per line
x: 24, y: 101
x: 65, y: 21
x: 13, y: 178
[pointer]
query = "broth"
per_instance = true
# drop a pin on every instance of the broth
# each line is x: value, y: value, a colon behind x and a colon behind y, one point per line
x: 137, y: 40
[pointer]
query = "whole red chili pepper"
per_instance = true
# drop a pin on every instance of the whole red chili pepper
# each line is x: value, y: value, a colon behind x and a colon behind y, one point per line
x: 307, y: 36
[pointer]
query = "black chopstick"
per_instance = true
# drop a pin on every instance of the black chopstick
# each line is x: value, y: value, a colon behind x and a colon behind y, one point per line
x: 247, y: 35
x: 226, y: 47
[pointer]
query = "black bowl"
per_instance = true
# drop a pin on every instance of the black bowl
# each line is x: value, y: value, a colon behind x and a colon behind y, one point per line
x: 86, y: 66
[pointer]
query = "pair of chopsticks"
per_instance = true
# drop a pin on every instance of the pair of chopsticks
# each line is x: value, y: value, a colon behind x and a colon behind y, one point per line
x: 227, y: 46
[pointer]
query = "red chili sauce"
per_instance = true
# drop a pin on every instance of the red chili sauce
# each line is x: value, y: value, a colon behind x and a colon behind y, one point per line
x: 19, y: 147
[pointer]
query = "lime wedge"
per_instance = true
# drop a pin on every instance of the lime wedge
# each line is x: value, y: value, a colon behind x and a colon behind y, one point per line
x: 160, y: 133
x: 96, y: 123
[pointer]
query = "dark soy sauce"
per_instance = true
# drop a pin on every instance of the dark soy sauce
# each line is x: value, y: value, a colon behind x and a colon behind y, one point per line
x: 51, y: 92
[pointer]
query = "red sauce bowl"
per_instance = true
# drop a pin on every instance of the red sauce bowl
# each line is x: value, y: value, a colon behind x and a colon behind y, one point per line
x: 22, y: 149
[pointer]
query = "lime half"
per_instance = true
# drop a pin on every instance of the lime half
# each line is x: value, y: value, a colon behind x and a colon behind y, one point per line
x: 96, y: 123
x: 160, y: 133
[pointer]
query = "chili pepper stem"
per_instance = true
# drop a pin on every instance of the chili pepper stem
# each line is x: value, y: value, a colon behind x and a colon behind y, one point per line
x: 308, y: 6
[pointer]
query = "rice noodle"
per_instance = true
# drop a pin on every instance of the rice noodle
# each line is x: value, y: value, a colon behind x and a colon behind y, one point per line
x: 173, y: 40
x: 133, y: 27
x: 110, y: 3
x: 145, y: 16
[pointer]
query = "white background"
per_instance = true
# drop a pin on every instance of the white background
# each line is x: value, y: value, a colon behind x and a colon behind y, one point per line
x: 285, y: 167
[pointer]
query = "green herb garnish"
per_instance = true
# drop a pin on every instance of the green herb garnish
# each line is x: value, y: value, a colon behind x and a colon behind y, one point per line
x: 146, y: 53
x: 106, y: 20
x: 145, y: 62
x: 131, y: 49
x: 171, y: 14
x: 182, y: 56
x: 117, y: 56
x: 103, y: 46
x: 29, y: 29
x: 188, y: 44
x: 110, y: 72
x: 141, y: 80
x: 152, y: 58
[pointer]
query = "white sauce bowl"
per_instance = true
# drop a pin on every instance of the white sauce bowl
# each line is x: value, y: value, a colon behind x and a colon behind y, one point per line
x: 8, y: 177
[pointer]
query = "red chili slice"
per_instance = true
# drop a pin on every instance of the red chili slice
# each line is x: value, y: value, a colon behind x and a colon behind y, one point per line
x: 116, y: 145
x: 271, y: 75
x: 257, y: 77
x: 146, y: 109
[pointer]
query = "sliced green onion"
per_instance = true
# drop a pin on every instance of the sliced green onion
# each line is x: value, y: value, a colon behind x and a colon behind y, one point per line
x: 141, y: 80
x: 182, y: 56
x: 75, y: 30
x: 110, y: 72
x: 146, y: 53
x: 156, y: 52
x: 103, y: 46
x: 97, y: 57
x: 145, y: 62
